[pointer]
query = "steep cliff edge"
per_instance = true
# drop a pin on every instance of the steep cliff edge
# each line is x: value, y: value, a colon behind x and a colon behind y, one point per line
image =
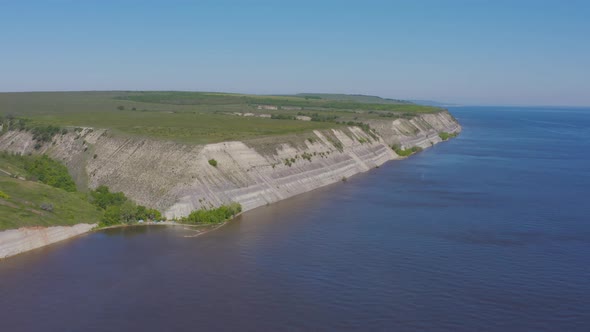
x: 178, y: 178
x: 422, y: 130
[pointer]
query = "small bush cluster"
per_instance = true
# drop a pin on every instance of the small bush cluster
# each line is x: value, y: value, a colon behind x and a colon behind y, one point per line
x: 47, y: 207
x: 41, y: 133
x: 319, y: 117
x: 48, y: 171
x: 119, y: 209
x: 42, y: 169
x: 213, y: 162
x: 11, y: 123
x: 445, y: 136
x: 212, y: 216
x: 389, y: 115
x: 306, y: 156
x: 405, y: 152
x: 282, y: 117
x: 4, y: 195
x: 337, y: 144
x: 365, y: 127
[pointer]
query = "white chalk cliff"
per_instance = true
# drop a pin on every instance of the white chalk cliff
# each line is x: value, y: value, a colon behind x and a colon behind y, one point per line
x: 177, y: 178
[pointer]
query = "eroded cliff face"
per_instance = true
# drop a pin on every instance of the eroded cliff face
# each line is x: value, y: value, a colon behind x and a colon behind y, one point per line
x: 178, y: 178
x: 419, y: 131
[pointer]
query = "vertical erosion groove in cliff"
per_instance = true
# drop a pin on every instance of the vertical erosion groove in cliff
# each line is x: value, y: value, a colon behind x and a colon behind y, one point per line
x: 178, y: 178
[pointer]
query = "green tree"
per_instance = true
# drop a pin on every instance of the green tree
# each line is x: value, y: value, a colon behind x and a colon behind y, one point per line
x: 118, y: 208
x: 216, y: 215
x: 103, y: 198
x: 141, y: 212
x: 112, y: 216
x: 128, y: 212
x: 154, y: 214
x: 50, y: 172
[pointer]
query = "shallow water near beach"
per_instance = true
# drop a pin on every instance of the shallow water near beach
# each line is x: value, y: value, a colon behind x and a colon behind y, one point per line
x: 487, y: 232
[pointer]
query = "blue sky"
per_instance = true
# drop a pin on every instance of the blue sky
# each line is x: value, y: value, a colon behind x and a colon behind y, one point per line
x: 470, y: 52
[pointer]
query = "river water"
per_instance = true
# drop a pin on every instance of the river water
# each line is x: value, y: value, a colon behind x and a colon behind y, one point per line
x: 487, y: 232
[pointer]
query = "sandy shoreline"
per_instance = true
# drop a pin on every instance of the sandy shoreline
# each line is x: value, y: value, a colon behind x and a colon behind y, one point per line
x: 17, y: 241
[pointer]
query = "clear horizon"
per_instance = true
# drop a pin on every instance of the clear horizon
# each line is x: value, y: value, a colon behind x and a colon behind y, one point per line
x: 446, y: 103
x: 530, y: 53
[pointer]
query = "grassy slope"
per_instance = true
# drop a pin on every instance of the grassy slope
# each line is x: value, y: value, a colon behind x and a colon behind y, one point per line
x: 22, y: 208
x: 192, y: 117
x: 12, y: 165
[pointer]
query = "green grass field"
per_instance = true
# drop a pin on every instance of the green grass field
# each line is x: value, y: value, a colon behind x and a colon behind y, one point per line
x: 23, y: 207
x: 30, y: 203
x: 12, y: 164
x: 196, y: 117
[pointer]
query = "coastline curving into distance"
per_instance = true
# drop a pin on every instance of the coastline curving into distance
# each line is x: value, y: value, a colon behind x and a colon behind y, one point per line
x: 178, y: 177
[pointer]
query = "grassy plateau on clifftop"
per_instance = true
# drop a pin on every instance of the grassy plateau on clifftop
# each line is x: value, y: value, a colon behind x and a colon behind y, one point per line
x: 200, y: 117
